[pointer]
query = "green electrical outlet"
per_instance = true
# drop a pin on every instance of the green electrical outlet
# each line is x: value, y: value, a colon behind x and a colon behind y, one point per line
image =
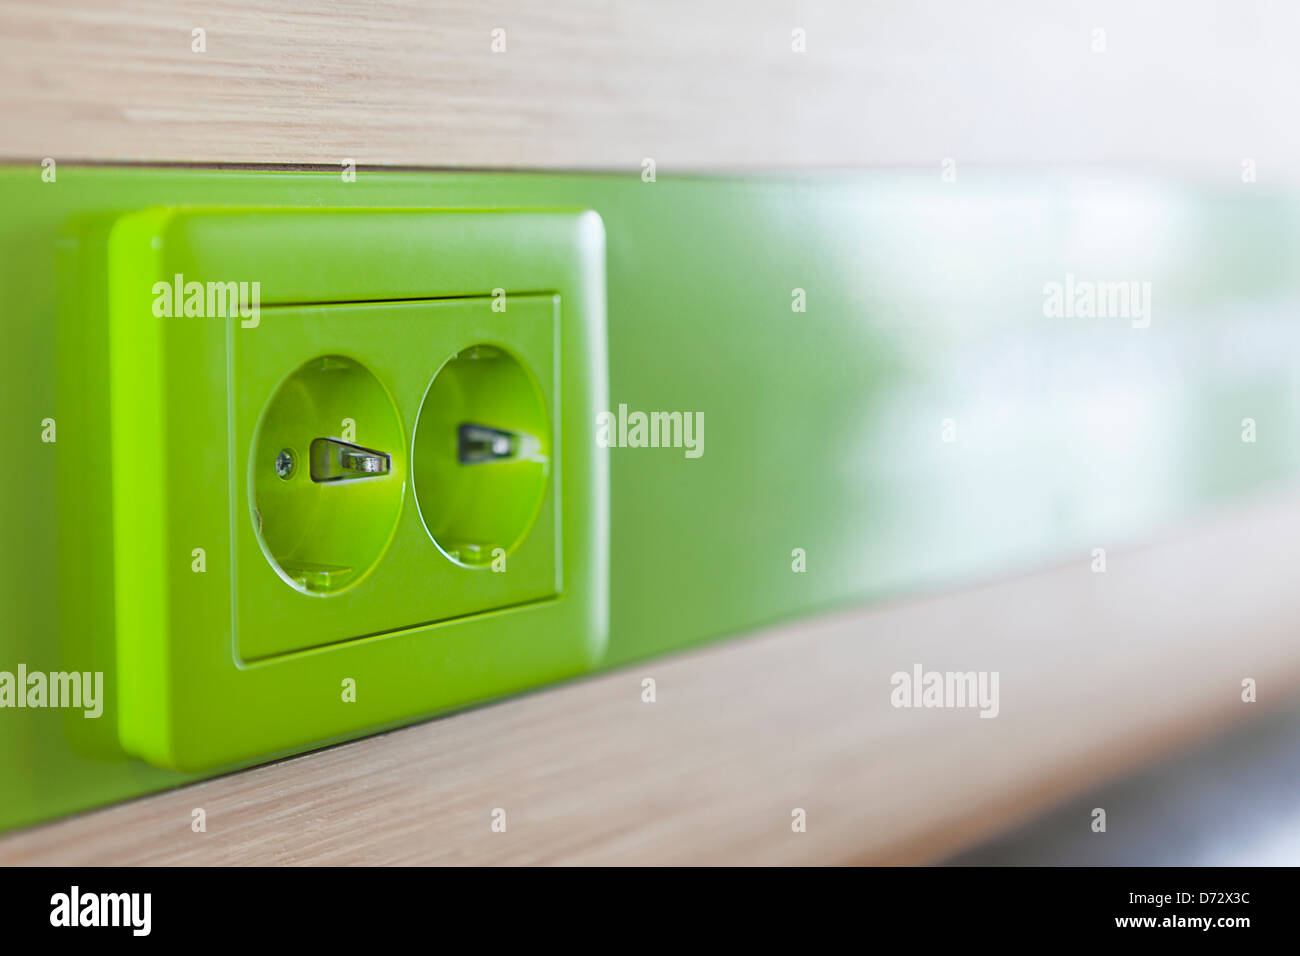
x: 346, y: 489
x: 384, y: 376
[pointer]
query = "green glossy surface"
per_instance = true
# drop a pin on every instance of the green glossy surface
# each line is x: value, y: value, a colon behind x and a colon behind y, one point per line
x: 824, y: 428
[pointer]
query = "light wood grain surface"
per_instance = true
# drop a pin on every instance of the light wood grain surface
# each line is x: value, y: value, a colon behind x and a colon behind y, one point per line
x: 1176, y: 86
x: 1099, y: 673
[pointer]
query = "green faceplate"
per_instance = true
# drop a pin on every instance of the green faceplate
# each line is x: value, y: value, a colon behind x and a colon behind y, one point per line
x: 258, y: 612
x: 922, y: 303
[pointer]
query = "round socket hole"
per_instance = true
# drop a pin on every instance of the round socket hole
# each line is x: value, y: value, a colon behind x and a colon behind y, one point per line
x: 326, y: 475
x: 481, y: 455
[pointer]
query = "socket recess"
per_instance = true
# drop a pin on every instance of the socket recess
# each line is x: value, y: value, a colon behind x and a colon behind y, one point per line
x: 479, y: 487
x: 322, y: 524
x: 362, y: 501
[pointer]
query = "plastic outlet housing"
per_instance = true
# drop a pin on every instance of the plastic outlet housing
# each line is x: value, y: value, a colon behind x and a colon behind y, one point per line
x: 260, y: 606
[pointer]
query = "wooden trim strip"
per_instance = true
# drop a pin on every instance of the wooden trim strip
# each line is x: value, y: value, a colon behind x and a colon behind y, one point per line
x: 1098, y: 673
x: 1174, y: 87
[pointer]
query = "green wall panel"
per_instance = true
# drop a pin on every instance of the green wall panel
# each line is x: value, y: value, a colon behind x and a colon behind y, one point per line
x: 824, y: 428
